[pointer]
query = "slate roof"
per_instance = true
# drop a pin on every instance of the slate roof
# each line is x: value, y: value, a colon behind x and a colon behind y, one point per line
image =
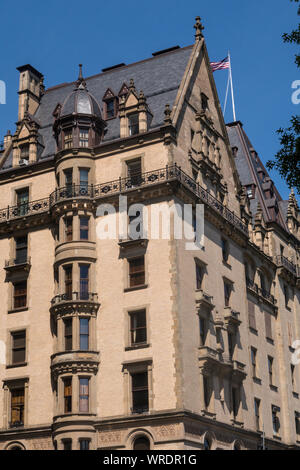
x: 250, y: 167
x: 159, y: 77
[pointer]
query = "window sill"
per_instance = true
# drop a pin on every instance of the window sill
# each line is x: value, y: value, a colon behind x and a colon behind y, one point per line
x: 13, y: 366
x: 226, y: 264
x: 138, y: 346
x: 208, y: 414
x: 275, y: 436
x: 253, y: 330
x: 257, y: 380
x: 270, y: 340
x: 21, y: 309
x: 131, y: 289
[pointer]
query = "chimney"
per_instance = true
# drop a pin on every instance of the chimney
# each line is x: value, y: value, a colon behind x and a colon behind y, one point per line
x: 7, y: 140
x: 31, y: 89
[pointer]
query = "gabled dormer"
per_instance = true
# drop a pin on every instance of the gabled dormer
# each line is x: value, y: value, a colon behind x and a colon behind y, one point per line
x: 135, y: 115
x: 27, y: 144
x: 111, y: 105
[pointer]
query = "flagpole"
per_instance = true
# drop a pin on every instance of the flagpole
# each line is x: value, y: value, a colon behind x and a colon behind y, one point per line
x: 226, y: 96
x: 232, y: 94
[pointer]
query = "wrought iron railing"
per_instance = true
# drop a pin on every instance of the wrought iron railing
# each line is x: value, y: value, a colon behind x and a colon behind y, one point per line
x: 24, y: 210
x: 75, y: 296
x: 122, y: 185
x: 259, y: 291
x: 287, y: 264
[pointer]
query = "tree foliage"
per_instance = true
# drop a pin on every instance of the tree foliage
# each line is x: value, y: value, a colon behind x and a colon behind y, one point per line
x: 287, y: 159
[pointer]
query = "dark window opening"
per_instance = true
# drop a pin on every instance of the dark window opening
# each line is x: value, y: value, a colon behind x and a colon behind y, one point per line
x: 140, y: 400
x: 84, y: 334
x: 20, y: 294
x: 21, y: 249
x: 133, y: 124
x: 84, y: 282
x: 68, y: 334
x: 138, y: 327
x: 68, y: 395
x: 84, y: 395
x: 136, y: 272
x: 18, y: 347
x: 17, y: 407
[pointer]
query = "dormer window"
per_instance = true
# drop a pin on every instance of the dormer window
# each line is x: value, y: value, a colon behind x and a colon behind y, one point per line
x: 110, y: 105
x: 68, y: 139
x: 24, y: 152
x: 83, y: 137
x: 110, y: 108
x: 133, y: 124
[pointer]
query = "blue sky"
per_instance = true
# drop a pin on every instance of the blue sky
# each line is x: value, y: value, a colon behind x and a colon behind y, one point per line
x: 55, y: 36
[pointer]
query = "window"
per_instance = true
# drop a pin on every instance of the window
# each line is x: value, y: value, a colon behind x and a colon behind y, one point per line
x: 192, y: 135
x: 24, y: 152
x: 68, y: 334
x: 20, y: 294
x: 270, y: 369
x: 268, y: 325
x: 286, y: 295
x: 231, y: 344
x: 138, y: 327
x: 203, y: 331
x: 69, y: 229
x: 207, y: 444
x: 140, y: 401
x: 293, y: 376
x: 136, y: 272
x: 83, y: 137
x: 110, y: 110
x: 199, y: 276
x: 84, y: 228
x: 206, y: 391
x: 253, y: 362
x: 235, y: 401
x: 141, y: 443
x: 227, y: 293
x: 68, y: 395
x: 84, y: 334
x: 297, y: 423
x: 275, y: 419
x: 134, y: 171
x: 133, y: 124
x: 22, y: 201
x: 84, y: 180
x: 68, y: 282
x: 18, y: 347
x: 17, y: 407
x: 256, y: 413
x: 84, y: 395
x: 84, y: 444
x: 21, y: 250
x: 84, y: 282
x: 225, y: 250
x: 68, y: 139
x: 204, y: 102
x: 67, y: 444
x: 69, y: 182
x: 251, y: 315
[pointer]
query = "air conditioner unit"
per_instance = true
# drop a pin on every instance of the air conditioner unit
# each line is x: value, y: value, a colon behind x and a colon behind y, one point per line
x: 23, y: 162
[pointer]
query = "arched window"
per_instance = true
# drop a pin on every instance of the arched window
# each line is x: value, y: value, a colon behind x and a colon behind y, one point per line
x: 141, y: 443
x: 207, y: 444
x: 237, y: 446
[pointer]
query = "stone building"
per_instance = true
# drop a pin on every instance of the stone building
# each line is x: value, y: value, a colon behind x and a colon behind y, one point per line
x: 129, y: 343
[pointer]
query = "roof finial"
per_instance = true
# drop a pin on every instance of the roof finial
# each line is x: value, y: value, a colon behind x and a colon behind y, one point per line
x: 80, y: 83
x: 132, y: 86
x: 167, y: 113
x: 199, y: 28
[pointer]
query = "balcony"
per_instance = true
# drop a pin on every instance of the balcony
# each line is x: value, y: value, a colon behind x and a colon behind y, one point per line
x: 260, y: 293
x: 286, y: 267
x: 79, y: 361
x: 123, y: 185
x: 15, y: 264
x: 203, y: 299
x: 67, y: 303
x: 231, y: 317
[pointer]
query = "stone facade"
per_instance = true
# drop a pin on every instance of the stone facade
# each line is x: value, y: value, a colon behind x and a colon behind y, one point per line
x: 212, y: 367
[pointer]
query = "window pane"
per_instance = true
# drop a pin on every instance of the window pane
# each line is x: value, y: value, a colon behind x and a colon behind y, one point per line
x: 84, y: 395
x: 20, y: 294
x: 84, y: 228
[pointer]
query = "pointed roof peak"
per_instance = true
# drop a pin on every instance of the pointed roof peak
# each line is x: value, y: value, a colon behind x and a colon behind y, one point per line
x: 199, y: 28
x: 80, y: 83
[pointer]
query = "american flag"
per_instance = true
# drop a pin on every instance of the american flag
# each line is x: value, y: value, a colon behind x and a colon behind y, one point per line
x: 224, y: 64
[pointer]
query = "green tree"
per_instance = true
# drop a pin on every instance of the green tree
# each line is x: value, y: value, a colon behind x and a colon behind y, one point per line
x: 287, y: 159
